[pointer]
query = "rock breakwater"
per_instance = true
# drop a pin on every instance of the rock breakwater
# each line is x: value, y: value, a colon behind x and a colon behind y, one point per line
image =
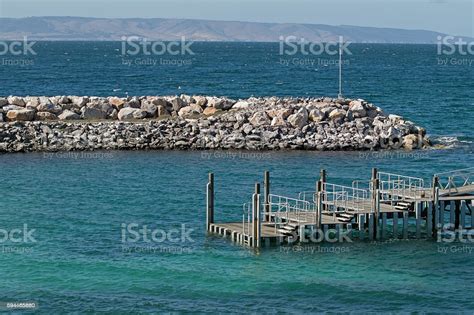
x: 67, y: 123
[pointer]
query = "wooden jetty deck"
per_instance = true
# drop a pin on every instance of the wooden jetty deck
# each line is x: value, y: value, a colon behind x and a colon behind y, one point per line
x: 378, y: 211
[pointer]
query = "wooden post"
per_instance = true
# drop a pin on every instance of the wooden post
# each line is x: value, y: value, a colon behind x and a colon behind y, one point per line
x: 442, y: 208
x: 384, y: 224
x: 322, y: 175
x: 210, y: 202
x: 457, y: 214
x: 434, y: 205
x: 436, y: 210
x: 463, y: 210
x: 256, y: 216
x: 361, y: 226
x: 472, y: 214
x: 452, y: 210
x: 405, y: 224
x: 429, y: 218
x: 375, y: 201
x: 371, y: 226
x: 418, y: 219
x: 395, y: 225
x: 319, y: 211
x: 266, y: 194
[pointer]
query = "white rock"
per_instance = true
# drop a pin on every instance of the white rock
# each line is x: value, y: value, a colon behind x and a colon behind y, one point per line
x: 15, y: 100
x: 131, y: 113
x: 241, y: 105
x: 299, y: 119
x: 69, y: 115
x: 259, y: 119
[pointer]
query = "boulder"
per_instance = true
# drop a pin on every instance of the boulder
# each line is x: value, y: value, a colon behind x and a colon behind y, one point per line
x: 32, y: 102
x: 209, y: 111
x: 299, y: 119
x: 64, y: 100
x: 21, y: 114
x: 128, y: 113
x: 357, y: 108
x: 278, y: 121
x: 337, y: 114
x: 150, y: 109
x: 79, y: 101
x: 410, y: 142
x: 190, y: 110
x: 133, y: 103
x: 92, y: 113
x: 15, y: 100
x: 69, y: 115
x: 316, y: 115
x: 117, y: 102
x: 3, y: 102
x: 200, y: 100
x: 219, y: 103
x: 49, y: 107
x: 241, y: 105
x: 259, y: 119
x: 177, y: 103
x: 161, y: 102
x: 11, y: 107
x: 161, y: 111
x: 45, y: 116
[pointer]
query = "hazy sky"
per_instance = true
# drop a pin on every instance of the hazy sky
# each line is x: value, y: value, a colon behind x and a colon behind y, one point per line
x: 448, y: 16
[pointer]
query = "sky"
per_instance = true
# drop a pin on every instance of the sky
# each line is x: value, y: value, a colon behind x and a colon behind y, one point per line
x: 455, y: 17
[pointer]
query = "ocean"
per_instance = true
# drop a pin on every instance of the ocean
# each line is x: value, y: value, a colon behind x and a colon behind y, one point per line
x: 78, y: 215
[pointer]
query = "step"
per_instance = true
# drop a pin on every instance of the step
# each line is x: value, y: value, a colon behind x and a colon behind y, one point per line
x: 285, y: 232
x: 402, y: 208
x: 406, y: 204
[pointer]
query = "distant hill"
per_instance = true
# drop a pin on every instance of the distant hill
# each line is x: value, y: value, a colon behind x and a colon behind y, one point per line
x: 80, y: 28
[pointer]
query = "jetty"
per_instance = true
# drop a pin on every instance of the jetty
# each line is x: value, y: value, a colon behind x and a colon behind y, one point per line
x: 385, y: 206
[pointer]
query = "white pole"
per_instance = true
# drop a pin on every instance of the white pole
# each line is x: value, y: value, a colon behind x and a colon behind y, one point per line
x: 340, y: 68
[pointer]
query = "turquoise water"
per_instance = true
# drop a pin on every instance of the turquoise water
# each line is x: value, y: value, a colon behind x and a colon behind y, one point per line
x: 77, y: 204
x: 77, y: 263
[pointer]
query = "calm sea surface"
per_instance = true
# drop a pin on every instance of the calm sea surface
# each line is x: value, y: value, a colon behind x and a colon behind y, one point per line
x: 75, y: 205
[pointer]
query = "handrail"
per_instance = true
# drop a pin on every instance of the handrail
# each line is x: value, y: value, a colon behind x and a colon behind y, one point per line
x: 344, y: 197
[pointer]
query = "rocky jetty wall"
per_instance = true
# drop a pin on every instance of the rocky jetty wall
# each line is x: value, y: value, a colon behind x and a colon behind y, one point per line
x: 66, y: 123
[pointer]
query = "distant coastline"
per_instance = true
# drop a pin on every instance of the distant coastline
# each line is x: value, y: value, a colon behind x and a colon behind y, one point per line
x: 113, y: 29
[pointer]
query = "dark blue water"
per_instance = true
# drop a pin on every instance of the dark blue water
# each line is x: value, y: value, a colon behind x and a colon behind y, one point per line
x: 77, y: 204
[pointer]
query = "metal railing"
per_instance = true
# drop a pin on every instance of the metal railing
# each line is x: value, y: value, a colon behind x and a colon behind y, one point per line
x: 339, y: 198
x: 309, y: 196
x: 290, y: 209
x: 394, y: 187
x: 452, y: 180
x: 246, y: 218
